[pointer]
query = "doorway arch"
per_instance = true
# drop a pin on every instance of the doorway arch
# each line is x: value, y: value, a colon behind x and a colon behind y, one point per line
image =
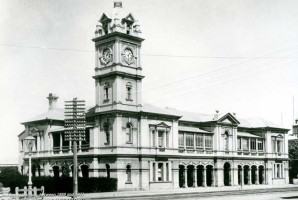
x: 227, y: 174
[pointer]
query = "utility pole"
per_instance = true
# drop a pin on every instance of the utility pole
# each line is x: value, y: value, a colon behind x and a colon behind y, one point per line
x: 75, y: 124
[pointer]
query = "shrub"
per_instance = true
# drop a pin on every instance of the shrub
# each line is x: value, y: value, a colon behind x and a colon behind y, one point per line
x: 86, y: 185
x: 12, y: 178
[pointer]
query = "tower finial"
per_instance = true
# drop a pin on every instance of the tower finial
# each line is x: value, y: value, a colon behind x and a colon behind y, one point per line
x: 117, y: 4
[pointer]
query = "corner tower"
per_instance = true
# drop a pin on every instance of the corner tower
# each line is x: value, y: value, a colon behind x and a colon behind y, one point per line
x: 118, y: 72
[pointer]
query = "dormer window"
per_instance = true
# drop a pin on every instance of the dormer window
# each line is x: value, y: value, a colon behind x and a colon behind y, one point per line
x: 128, y: 90
x: 106, y: 91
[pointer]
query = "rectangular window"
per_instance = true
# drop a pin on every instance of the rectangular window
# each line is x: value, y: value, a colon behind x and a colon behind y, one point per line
x: 189, y: 140
x: 252, y: 144
x: 208, y: 141
x: 160, y: 172
x: 239, y: 143
x: 181, y: 140
x: 160, y: 139
x: 245, y: 143
x: 260, y: 145
x: 199, y: 141
x: 278, y: 171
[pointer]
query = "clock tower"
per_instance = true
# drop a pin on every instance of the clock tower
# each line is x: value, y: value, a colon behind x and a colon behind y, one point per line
x: 118, y: 72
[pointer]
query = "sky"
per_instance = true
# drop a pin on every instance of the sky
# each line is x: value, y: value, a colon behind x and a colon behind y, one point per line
x: 198, y: 55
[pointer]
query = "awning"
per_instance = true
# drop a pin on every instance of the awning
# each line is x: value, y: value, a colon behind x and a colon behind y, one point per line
x: 191, y: 129
x: 245, y: 134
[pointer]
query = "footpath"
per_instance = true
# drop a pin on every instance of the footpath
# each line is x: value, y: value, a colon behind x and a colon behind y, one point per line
x: 199, y: 191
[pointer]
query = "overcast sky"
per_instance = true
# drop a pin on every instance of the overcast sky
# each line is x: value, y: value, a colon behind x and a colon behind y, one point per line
x: 228, y: 55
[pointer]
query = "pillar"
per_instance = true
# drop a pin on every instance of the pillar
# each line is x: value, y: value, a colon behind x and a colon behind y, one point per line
x: 185, y: 177
x: 204, y: 176
x: 195, y: 181
x: 212, y: 177
x: 164, y: 172
x: 151, y: 171
x: 249, y: 175
x: 170, y: 171
x: 156, y: 138
x: 257, y: 176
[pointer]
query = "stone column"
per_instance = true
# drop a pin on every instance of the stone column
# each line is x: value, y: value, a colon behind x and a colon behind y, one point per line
x: 249, y: 175
x: 151, y: 171
x: 204, y: 176
x: 156, y: 138
x: 195, y: 181
x: 170, y: 170
x: 185, y: 177
x: 263, y: 176
x: 257, y: 176
x: 164, y: 172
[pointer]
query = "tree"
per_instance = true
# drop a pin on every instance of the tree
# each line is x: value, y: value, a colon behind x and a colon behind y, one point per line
x: 293, y: 156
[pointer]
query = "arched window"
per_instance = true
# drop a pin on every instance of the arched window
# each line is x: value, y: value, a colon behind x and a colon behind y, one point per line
x: 128, y: 174
x: 128, y: 28
x: 128, y: 90
x: 105, y: 28
x: 65, y: 171
x: 128, y: 133
x: 56, y: 171
x: 85, y: 171
x: 106, y: 91
x: 106, y: 127
x: 108, y: 170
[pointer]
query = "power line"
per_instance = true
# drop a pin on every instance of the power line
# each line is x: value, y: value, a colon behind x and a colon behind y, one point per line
x: 155, y: 55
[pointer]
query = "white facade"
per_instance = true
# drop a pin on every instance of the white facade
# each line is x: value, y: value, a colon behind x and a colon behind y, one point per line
x: 146, y: 147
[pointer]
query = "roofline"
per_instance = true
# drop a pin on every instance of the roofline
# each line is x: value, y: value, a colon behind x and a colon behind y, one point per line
x: 41, y: 120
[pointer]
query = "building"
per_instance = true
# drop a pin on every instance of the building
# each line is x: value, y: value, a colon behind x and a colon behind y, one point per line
x: 146, y: 147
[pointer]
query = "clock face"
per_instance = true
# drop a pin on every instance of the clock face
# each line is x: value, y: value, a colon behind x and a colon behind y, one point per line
x: 106, y: 55
x: 128, y: 55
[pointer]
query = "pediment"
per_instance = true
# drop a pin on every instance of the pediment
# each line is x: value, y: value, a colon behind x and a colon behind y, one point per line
x: 129, y: 18
x: 104, y: 18
x: 162, y: 124
x: 228, y: 119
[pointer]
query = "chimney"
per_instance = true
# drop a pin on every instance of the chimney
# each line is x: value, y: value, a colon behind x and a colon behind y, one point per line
x: 52, y: 101
x: 216, y: 116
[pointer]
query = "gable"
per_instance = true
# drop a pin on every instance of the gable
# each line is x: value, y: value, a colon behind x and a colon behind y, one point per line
x: 129, y: 18
x: 228, y: 119
x: 104, y: 18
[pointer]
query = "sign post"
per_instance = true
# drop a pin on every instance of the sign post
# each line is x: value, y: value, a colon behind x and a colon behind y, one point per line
x: 75, y: 124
